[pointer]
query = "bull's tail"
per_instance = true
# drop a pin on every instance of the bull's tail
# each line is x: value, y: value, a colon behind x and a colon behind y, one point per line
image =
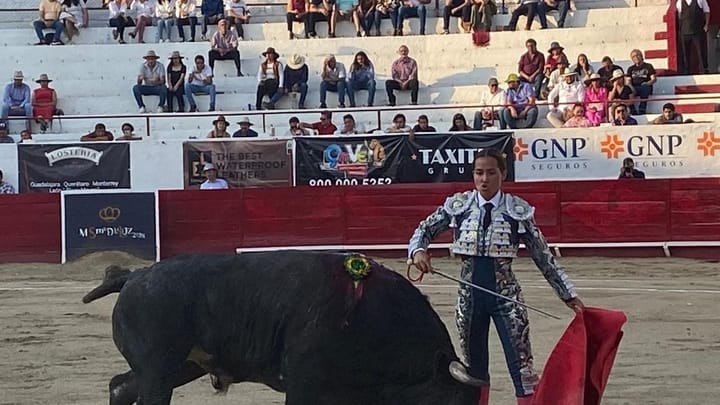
x: 115, y: 278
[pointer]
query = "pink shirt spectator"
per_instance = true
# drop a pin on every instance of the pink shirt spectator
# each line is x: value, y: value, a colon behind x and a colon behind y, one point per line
x: 595, y: 99
x: 578, y: 122
x: 404, y: 69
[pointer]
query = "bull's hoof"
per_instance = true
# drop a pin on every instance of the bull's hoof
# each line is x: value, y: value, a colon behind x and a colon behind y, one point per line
x: 460, y: 373
x: 220, y: 383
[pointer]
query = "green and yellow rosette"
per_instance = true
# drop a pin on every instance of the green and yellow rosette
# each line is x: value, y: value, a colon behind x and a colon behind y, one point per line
x: 358, y: 266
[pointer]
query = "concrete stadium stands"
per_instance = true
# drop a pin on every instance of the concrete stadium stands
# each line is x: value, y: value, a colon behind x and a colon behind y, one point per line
x: 94, y: 75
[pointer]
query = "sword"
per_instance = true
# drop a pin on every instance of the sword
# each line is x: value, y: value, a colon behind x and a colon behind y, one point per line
x: 477, y: 287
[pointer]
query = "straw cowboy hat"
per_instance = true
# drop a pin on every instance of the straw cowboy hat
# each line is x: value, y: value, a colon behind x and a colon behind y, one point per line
x: 271, y: 50
x: 571, y: 73
x: 512, y: 77
x: 617, y: 74
x: 18, y: 75
x: 150, y: 55
x: 245, y: 120
x: 296, y: 61
x: 592, y: 77
x: 176, y: 54
x: 555, y: 45
x: 43, y: 78
x: 220, y: 118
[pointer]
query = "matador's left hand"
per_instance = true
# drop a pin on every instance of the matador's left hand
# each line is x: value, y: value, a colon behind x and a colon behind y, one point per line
x: 575, y: 304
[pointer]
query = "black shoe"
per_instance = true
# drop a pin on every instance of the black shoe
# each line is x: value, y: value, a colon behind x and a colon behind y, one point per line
x: 41, y: 43
x: 240, y: 74
x: 193, y: 108
x: 323, y: 105
x: 341, y: 105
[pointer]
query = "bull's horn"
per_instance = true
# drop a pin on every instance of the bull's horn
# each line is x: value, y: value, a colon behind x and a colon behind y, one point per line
x: 460, y: 373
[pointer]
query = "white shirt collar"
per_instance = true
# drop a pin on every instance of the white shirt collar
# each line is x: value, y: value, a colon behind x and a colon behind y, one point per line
x: 495, y: 200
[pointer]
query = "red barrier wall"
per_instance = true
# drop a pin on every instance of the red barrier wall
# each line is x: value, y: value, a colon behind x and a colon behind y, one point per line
x: 220, y: 221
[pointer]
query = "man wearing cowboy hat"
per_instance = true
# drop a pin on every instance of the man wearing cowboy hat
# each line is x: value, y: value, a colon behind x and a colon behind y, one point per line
x: 568, y: 92
x: 200, y: 80
x: 150, y: 82
x: 245, y: 131
x: 16, y: 99
x: 212, y: 182
x: 519, y: 103
x: 295, y: 78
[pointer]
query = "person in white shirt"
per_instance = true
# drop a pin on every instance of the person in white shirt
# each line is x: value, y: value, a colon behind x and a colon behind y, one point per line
x: 212, y: 182
x: 144, y: 11
x: 185, y: 14
x: 237, y: 14
x: 200, y: 80
x: 569, y: 92
x: 74, y: 14
x: 270, y: 78
x: 399, y: 125
x: 333, y: 78
x: 493, y: 98
x: 164, y: 13
x: 119, y: 19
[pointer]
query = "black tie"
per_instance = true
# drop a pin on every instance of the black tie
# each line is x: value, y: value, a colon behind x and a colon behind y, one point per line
x: 486, y: 219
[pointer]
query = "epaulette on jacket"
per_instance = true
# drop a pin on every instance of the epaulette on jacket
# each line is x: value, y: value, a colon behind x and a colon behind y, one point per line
x: 458, y: 203
x: 518, y: 208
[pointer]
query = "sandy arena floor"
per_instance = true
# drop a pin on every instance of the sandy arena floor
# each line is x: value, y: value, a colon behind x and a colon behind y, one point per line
x: 55, y: 350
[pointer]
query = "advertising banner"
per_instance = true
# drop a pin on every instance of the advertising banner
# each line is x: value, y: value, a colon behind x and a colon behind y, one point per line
x: 119, y: 221
x: 58, y: 167
x: 660, y: 151
x: 393, y: 159
x: 241, y: 163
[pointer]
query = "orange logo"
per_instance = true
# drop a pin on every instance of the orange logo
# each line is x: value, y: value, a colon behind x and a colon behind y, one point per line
x: 612, y: 146
x: 708, y: 144
x: 520, y: 149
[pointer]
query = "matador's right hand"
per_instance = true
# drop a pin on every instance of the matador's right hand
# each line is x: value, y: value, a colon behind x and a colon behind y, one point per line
x: 421, y: 260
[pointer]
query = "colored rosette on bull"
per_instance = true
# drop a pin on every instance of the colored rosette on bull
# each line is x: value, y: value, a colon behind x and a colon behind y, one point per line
x: 358, y: 266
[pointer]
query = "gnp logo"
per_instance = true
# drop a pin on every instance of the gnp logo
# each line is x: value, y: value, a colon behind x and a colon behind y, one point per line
x: 708, y: 143
x: 648, y: 150
x: 354, y: 160
x: 553, y: 153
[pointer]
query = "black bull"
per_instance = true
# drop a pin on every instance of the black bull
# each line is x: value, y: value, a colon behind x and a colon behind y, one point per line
x: 294, y: 321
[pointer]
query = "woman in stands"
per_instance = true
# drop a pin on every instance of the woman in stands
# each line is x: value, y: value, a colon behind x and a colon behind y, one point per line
x: 459, y: 124
x: 185, y: 14
x: 583, y: 67
x: 270, y: 76
x: 44, y: 102
x: 219, y: 128
x: 119, y: 19
x: 164, y: 13
x: 176, y: 72
x: 144, y: 11
x: 362, y: 77
x: 595, y: 99
x: 488, y: 226
x: 74, y: 15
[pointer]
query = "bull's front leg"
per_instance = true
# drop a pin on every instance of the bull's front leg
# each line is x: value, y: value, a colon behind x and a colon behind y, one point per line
x: 123, y: 389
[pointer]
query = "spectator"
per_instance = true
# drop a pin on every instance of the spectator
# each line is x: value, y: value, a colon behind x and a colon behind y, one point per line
x: 568, y: 93
x: 411, y: 8
x: 621, y: 92
x: 628, y: 170
x: 583, y: 67
x: 237, y: 15
x: 668, y: 116
x: 459, y: 124
x: 164, y: 13
x: 212, y: 11
x: 493, y: 100
x: 5, y: 187
x: 561, y: 67
x: 456, y: 8
x: 607, y: 71
x: 144, y: 11
x: 595, y: 99
x: 362, y: 77
x: 245, y: 131
x: 295, y: 77
x: 562, y: 7
x: 224, y: 46
x: 578, y: 119
x: 555, y: 55
x: 713, y: 49
x: 386, y: 9
x: 44, y: 102
x: 528, y: 8
x: 49, y: 11
x: 423, y: 125
x: 176, y: 73
x: 74, y: 14
x: 185, y: 14
x: 693, y: 23
x: 119, y: 19
x: 399, y: 125
x: 519, y: 104
x: 150, y: 82
x: 482, y: 15
x: 295, y: 128
x: 212, y: 182
x: 219, y: 128
x: 350, y: 127
x: 346, y: 10
x: 128, y: 133
x: 200, y: 80
x: 333, y: 77
x: 16, y: 99
x: 324, y: 126
x: 404, y: 77
x: 366, y: 14
x: 318, y: 10
x: 622, y: 117
x: 270, y: 77
x: 99, y: 134
x: 531, y: 67
x: 295, y: 13
x: 25, y: 136
x: 642, y: 78
x: 4, y: 137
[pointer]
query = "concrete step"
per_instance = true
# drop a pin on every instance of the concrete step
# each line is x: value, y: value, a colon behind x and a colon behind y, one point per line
x: 697, y: 89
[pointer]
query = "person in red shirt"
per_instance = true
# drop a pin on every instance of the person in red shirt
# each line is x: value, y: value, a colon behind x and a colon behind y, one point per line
x: 324, y: 126
x: 531, y: 66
